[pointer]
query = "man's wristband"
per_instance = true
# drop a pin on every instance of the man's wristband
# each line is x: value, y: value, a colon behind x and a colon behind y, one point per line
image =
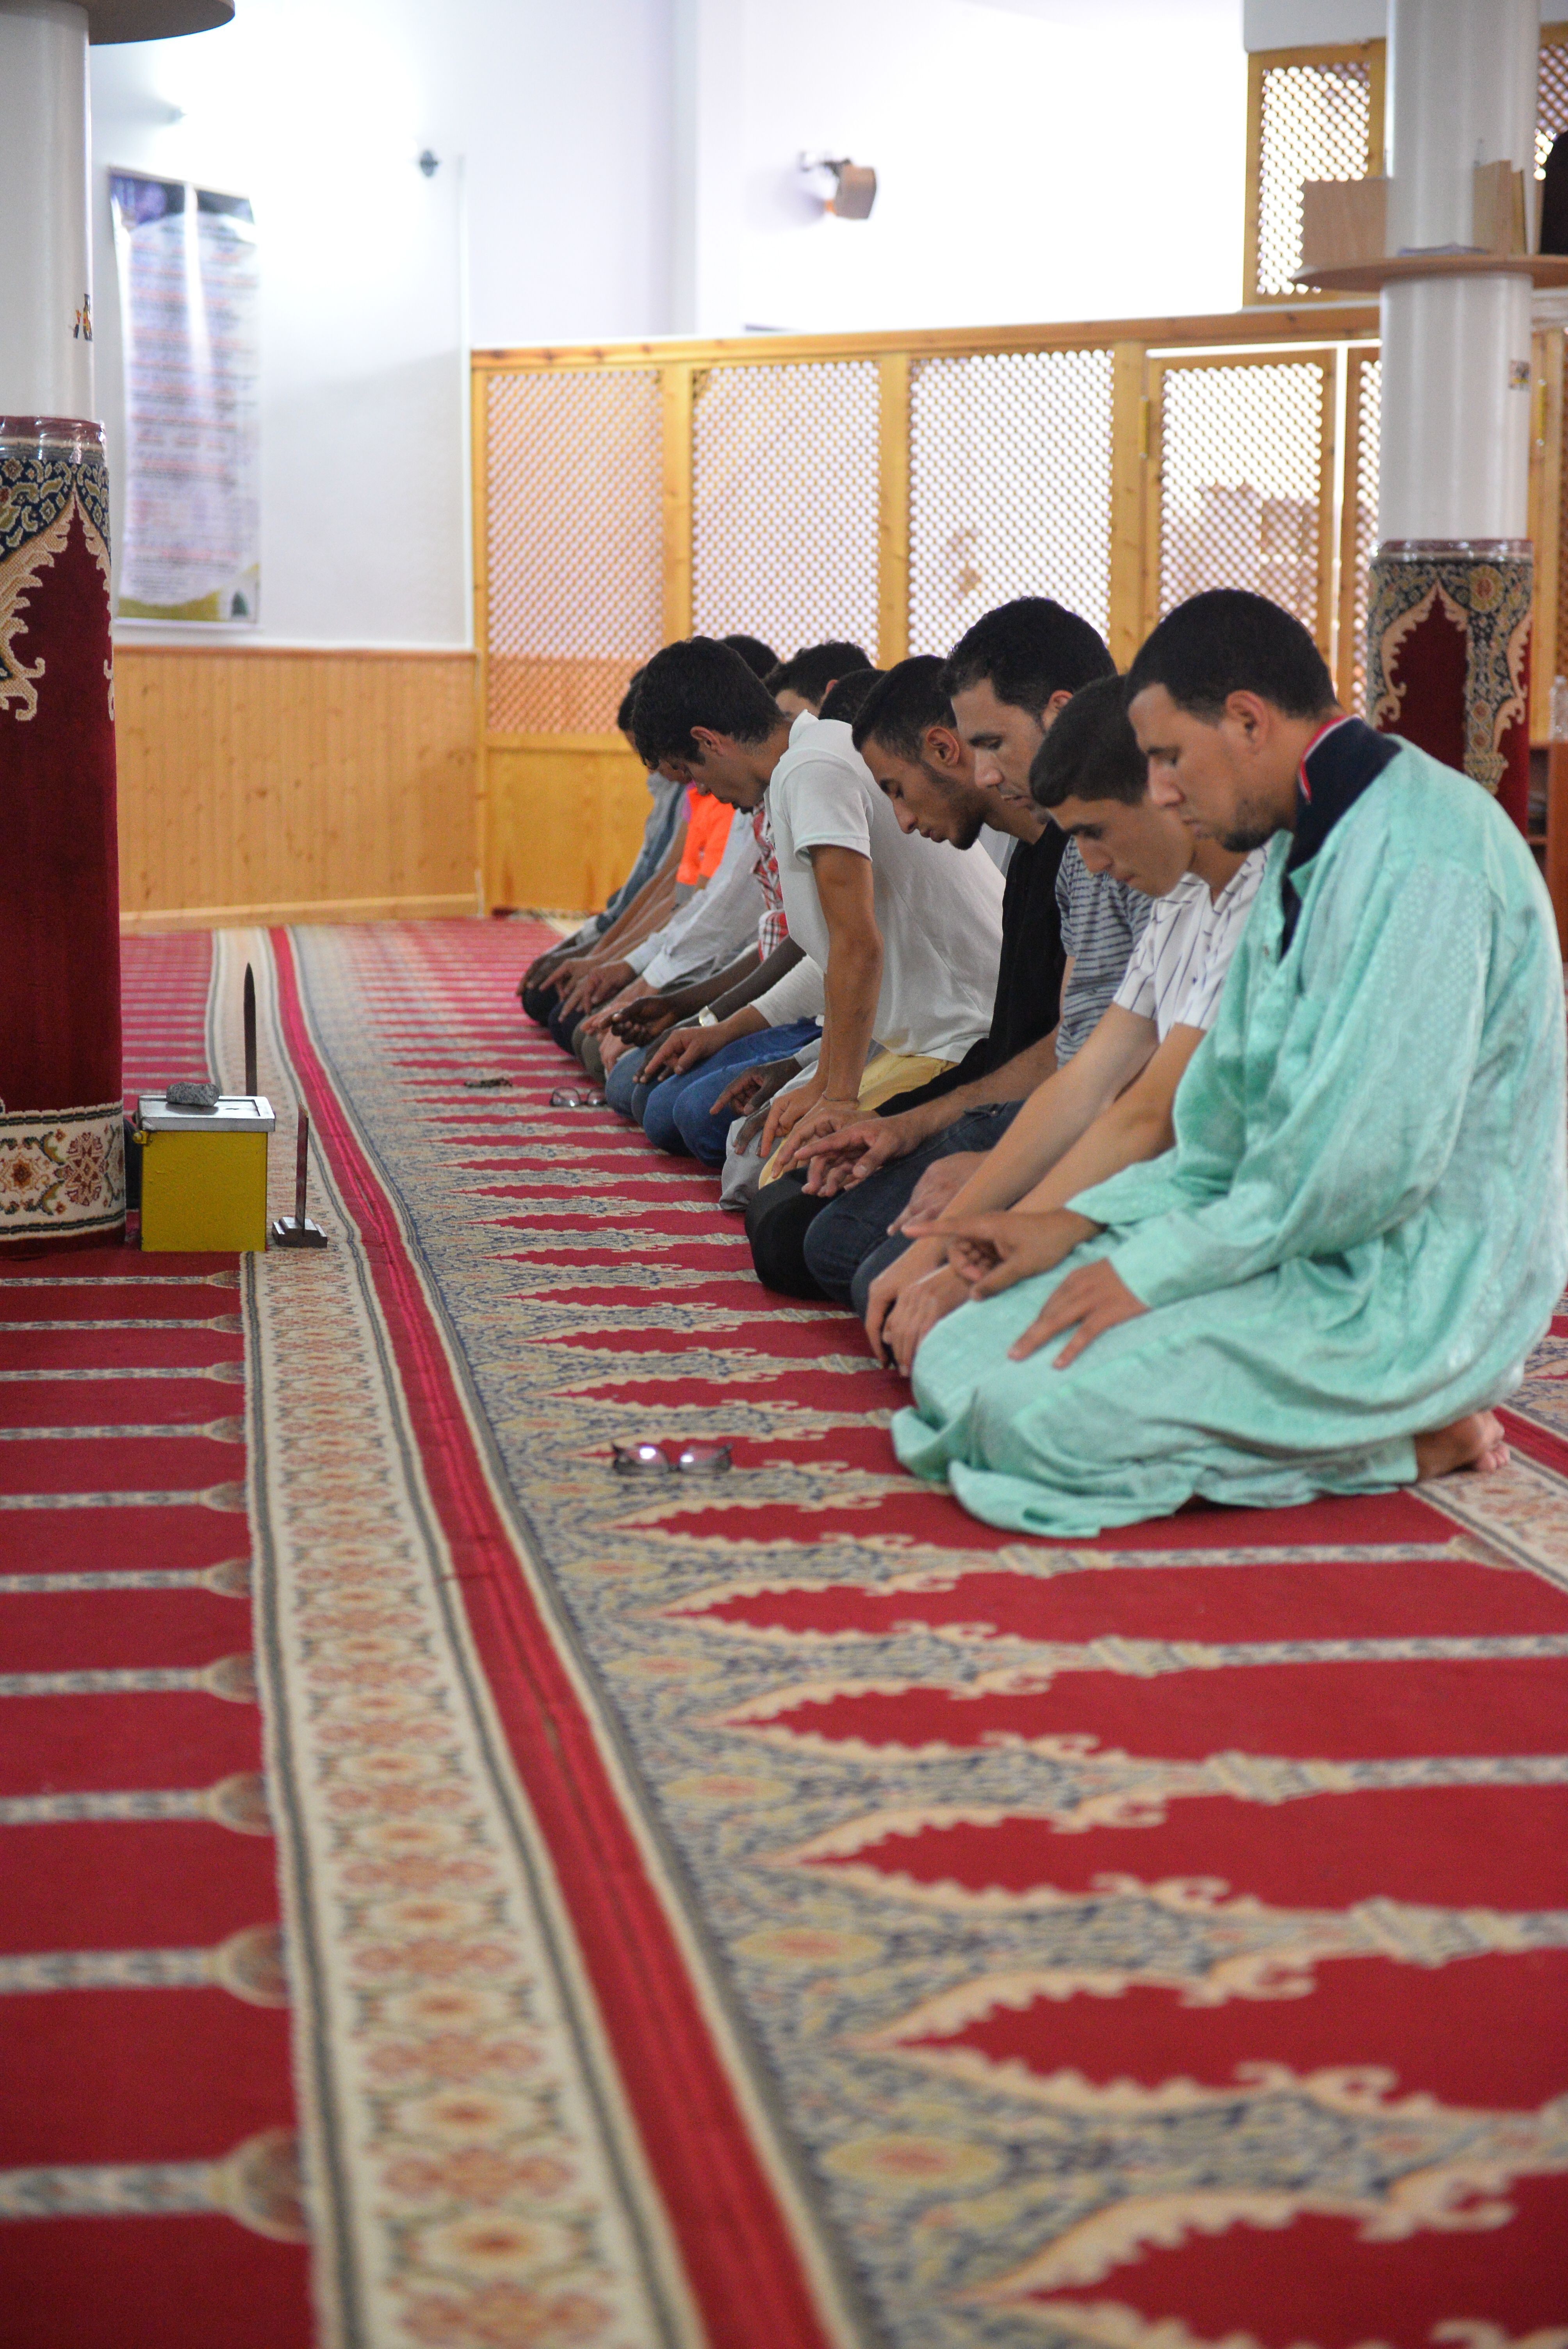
x: 707, y: 1017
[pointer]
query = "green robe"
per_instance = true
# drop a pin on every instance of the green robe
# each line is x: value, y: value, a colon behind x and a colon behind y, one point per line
x: 1361, y: 1230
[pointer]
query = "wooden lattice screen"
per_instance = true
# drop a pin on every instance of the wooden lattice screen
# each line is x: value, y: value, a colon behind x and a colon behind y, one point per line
x: 1319, y: 114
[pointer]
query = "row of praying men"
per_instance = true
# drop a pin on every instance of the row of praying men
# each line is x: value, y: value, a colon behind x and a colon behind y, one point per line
x: 1169, y: 1069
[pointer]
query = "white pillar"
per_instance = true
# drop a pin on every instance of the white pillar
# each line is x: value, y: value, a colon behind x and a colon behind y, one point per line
x: 1456, y: 415
x: 45, y: 249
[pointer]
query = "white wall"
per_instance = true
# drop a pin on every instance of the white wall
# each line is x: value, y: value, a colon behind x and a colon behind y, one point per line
x: 1035, y: 160
x: 552, y: 128
x: 625, y: 167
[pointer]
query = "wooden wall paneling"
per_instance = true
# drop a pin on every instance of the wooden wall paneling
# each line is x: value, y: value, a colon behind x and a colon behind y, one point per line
x: 566, y: 818
x: 266, y: 784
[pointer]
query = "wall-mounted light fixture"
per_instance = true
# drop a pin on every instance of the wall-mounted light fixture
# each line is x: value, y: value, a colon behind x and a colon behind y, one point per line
x: 848, y: 190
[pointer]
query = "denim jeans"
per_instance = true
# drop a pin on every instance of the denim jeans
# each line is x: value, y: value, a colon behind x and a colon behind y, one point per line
x: 675, y: 1112
x: 622, y: 1077
x: 849, y: 1242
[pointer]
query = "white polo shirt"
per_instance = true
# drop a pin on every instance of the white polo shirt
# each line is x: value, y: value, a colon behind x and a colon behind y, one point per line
x: 1178, y: 964
x: 939, y: 908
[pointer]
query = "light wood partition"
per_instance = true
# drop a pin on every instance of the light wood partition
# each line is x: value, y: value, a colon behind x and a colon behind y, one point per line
x: 588, y: 467
x: 260, y: 785
x: 564, y: 815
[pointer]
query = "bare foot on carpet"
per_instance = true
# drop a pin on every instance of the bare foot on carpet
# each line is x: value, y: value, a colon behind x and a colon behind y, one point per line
x: 1477, y: 1442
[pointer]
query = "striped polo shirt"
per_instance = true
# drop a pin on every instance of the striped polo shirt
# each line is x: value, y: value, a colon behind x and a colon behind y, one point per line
x: 1178, y: 964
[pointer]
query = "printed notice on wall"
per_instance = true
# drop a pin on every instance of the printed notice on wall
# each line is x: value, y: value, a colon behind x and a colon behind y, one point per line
x: 189, y: 296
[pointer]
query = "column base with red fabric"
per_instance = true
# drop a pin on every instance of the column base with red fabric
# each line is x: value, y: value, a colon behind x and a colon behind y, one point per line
x: 1447, y: 656
x: 62, y: 1158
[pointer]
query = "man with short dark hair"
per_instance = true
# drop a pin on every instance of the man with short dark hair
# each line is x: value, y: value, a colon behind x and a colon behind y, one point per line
x: 1003, y: 686
x: 1112, y: 1104
x: 802, y: 682
x: 1363, y: 1227
x: 906, y: 937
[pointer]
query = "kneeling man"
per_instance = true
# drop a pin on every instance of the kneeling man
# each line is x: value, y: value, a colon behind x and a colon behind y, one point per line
x: 1363, y: 1227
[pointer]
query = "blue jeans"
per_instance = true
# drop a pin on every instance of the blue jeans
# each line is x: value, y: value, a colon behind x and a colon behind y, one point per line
x: 622, y: 1077
x: 675, y: 1113
x: 848, y: 1244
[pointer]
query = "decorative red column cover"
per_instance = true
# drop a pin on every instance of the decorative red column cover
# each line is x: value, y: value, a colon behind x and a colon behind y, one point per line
x: 1447, y: 656
x: 62, y: 1160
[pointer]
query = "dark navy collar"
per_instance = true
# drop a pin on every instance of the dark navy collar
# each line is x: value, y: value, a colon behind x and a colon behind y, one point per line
x: 1341, y: 760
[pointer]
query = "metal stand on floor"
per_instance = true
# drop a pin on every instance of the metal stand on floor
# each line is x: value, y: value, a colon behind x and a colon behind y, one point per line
x: 297, y: 1231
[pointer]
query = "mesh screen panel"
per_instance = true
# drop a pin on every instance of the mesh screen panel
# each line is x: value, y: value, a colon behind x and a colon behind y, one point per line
x: 1361, y: 539
x: 784, y: 503
x: 1009, y: 488
x: 1241, y: 481
x: 1552, y: 98
x: 572, y: 553
x: 1316, y: 124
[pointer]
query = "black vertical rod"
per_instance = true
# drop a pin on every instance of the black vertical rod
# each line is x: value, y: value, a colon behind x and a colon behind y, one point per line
x: 249, y: 1029
x: 302, y: 1156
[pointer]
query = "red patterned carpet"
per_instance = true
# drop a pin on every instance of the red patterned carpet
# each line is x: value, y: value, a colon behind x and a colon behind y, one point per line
x: 145, y: 2099
x: 761, y: 1912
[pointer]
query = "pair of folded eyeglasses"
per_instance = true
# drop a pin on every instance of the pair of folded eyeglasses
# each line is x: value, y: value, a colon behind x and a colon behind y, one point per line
x: 696, y: 1457
x: 569, y: 1097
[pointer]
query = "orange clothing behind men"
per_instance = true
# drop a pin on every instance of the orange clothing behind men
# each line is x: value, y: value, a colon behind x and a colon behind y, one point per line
x: 707, y: 830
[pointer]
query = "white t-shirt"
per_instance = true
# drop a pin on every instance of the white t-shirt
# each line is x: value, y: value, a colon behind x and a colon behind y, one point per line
x: 1178, y: 964
x: 939, y: 908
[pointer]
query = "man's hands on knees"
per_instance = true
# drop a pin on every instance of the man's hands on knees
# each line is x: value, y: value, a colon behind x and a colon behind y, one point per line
x: 991, y: 1252
x: 920, y: 1308
x: 640, y: 1022
x: 1094, y: 1299
x: 592, y: 984
x: 824, y: 1118
x: 936, y: 1188
x: 925, y: 1257
x: 788, y: 1110
x: 747, y: 1095
x: 850, y: 1153
x: 681, y: 1050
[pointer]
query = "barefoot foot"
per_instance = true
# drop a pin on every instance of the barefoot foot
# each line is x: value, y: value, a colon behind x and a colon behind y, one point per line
x: 1477, y: 1443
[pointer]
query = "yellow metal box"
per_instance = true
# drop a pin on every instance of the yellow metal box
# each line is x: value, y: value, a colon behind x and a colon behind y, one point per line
x: 204, y: 1174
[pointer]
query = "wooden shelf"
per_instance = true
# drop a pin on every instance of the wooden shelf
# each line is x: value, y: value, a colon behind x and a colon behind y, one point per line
x: 1371, y: 276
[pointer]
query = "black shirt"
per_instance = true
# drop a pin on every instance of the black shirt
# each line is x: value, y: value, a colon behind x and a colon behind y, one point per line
x: 1028, y: 977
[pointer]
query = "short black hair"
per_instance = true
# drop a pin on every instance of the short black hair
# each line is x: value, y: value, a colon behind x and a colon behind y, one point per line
x: 700, y: 682
x: 1091, y: 751
x: 759, y: 658
x: 814, y: 669
x: 629, y: 702
x: 1026, y: 651
x: 849, y: 693
x: 910, y: 698
x: 1227, y: 641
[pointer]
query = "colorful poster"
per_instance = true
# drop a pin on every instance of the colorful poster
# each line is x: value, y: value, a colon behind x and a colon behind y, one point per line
x: 189, y: 277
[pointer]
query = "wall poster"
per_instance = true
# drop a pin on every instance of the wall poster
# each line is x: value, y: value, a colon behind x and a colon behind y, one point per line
x: 189, y: 275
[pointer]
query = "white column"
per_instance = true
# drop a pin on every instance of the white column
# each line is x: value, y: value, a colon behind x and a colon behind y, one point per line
x: 45, y: 247
x: 1456, y: 415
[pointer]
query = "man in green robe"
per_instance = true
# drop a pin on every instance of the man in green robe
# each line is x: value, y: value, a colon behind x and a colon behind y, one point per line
x: 1362, y: 1228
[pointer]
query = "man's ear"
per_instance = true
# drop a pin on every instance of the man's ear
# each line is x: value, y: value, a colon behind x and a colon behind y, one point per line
x: 708, y: 743
x: 1253, y: 718
x: 946, y: 749
x: 1054, y: 709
